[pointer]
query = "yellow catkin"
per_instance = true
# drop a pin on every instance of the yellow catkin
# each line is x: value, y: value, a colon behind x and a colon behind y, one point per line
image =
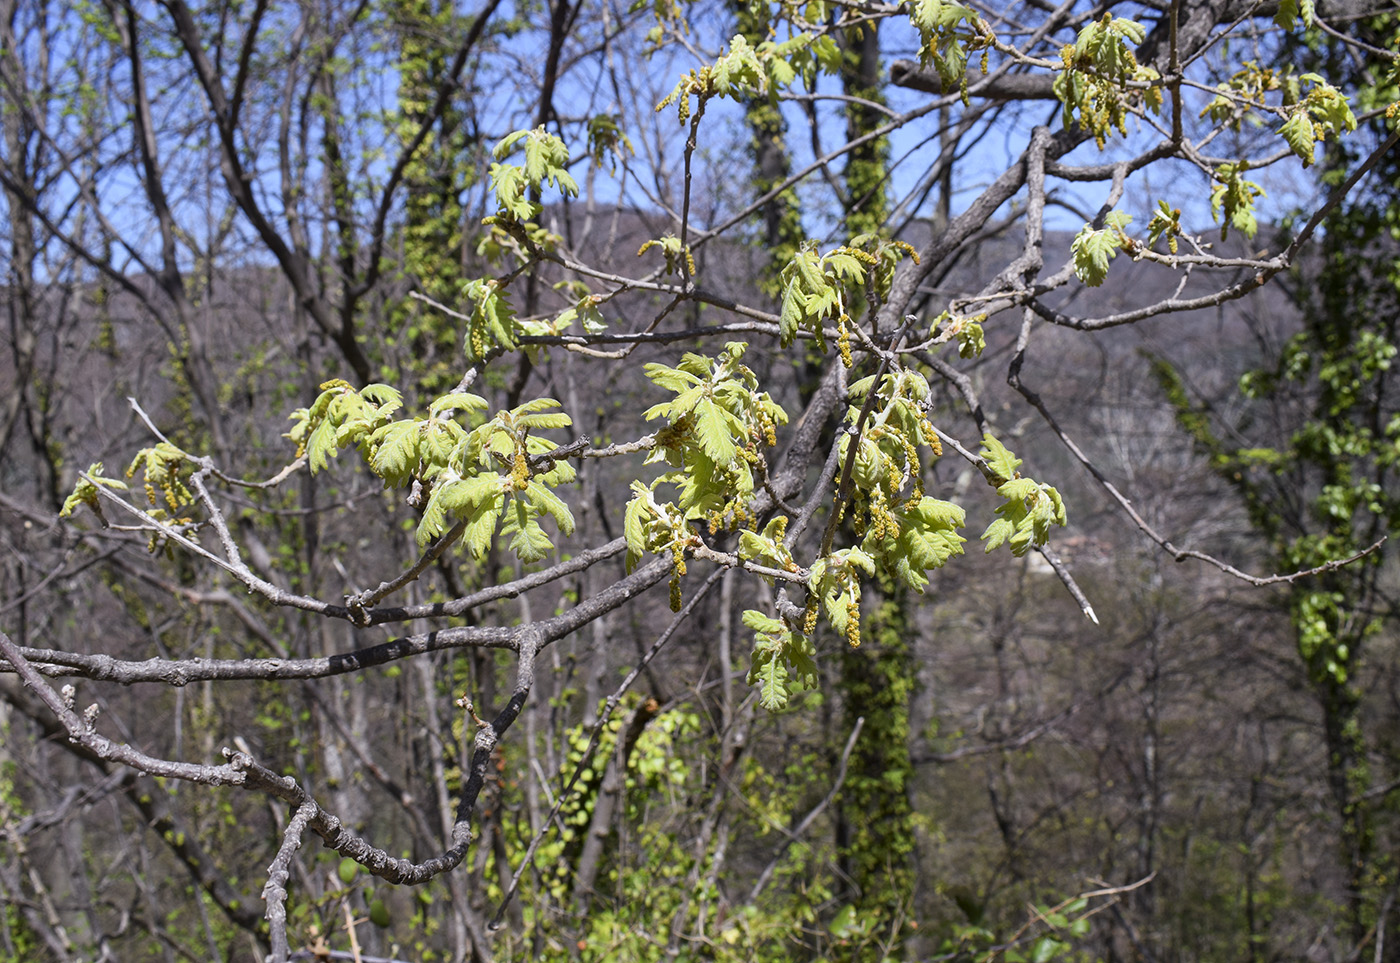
x: 853, y: 623
x: 891, y: 526
x: 879, y: 517
x: 930, y: 437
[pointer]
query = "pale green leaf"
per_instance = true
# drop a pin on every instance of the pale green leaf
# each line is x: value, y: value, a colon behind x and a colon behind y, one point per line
x: 633, y: 526
x: 458, y: 401
x: 543, y: 501
x: 997, y: 533
x: 395, y: 448
x: 1298, y: 132
x: 999, y: 458
x: 712, y: 428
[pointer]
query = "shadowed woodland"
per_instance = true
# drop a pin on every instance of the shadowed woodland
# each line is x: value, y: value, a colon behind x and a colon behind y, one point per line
x: 699, y: 481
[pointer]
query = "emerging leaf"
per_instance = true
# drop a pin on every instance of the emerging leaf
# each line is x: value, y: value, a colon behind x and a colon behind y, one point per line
x: 999, y: 458
x: 1093, y: 249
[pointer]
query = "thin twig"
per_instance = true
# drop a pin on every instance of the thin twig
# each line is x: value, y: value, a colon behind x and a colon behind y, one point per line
x: 700, y: 550
x: 1056, y: 563
x: 360, y: 602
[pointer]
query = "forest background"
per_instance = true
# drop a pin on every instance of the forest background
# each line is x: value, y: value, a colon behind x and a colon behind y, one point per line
x: 794, y: 307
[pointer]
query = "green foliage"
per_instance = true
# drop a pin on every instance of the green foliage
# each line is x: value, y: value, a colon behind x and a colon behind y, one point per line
x: 1291, y: 11
x: 20, y: 936
x: 949, y: 33
x: 1105, y: 45
x: 906, y: 530
x: 584, y: 310
x: 474, y: 477
x: 742, y: 72
x: 814, y: 291
x: 966, y: 330
x: 341, y: 415
x: 782, y: 659
x: 717, y: 426
x: 1029, y: 509
x: 165, y: 469
x: 1243, y: 98
x: 878, y: 849
x: 781, y: 216
x: 1101, y: 80
x: 820, y: 288
x: 559, y: 852
x: 1094, y: 248
x: 767, y: 547
x: 660, y: 879
x: 492, y: 324
x: 865, y: 205
x: 1321, y: 486
x: 15, y: 931
x: 1050, y: 934
x: 679, y: 261
x: 1166, y: 222
x: 1233, y: 198
x: 834, y: 581
x: 546, y: 162
x: 607, y: 139
x: 472, y: 472
x: 1323, y: 113
x: 85, y: 491
x: 927, y: 538
x: 1309, y: 117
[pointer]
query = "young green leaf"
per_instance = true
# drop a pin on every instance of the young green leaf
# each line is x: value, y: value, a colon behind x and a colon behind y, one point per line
x: 999, y: 458
x: 1093, y: 249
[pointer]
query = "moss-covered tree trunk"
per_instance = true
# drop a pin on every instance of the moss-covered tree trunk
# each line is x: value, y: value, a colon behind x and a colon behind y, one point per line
x: 1324, y: 489
x: 780, y: 216
x: 875, y: 830
x: 875, y: 833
